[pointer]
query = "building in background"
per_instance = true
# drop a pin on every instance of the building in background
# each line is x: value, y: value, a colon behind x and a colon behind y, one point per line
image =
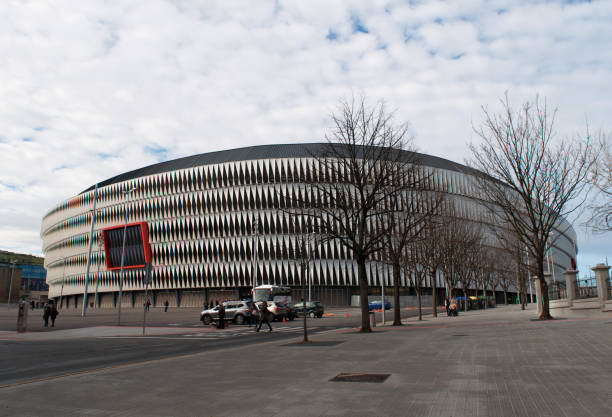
x: 28, y: 277
x: 217, y: 226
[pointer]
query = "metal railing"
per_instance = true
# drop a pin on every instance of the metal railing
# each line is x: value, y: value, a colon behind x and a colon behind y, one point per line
x: 557, y: 291
x: 586, y: 288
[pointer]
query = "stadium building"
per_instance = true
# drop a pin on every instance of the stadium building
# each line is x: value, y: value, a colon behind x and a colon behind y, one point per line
x: 209, y: 216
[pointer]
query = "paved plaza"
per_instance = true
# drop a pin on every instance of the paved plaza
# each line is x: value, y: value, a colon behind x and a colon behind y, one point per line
x: 498, y: 362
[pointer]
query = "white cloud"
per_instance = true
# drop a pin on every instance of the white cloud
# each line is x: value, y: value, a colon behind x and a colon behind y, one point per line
x: 98, y: 88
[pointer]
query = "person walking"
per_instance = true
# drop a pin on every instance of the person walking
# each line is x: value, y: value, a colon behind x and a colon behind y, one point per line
x: 46, y: 314
x: 221, y: 324
x: 166, y: 306
x: 447, y: 303
x: 53, y: 314
x: 264, y: 315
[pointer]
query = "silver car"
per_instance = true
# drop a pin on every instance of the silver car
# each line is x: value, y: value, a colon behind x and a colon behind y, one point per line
x: 235, y: 311
x: 278, y: 309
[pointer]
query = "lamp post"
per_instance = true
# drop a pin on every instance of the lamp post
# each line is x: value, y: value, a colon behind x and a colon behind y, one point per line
x: 129, y: 194
x: 8, y: 301
x: 96, y: 299
x: 255, y: 252
x: 93, y: 219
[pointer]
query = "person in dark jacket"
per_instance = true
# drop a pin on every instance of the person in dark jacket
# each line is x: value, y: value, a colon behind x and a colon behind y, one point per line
x: 221, y: 324
x: 46, y: 314
x: 447, y: 302
x: 264, y: 315
x: 166, y: 306
x: 53, y: 314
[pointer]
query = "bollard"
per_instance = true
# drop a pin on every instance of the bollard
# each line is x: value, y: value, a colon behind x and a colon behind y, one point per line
x: 22, y: 317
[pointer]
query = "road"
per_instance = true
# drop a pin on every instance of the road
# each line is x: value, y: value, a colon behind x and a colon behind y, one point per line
x: 51, y: 354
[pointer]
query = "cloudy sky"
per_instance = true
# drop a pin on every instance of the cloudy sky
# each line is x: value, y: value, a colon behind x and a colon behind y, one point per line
x: 90, y: 89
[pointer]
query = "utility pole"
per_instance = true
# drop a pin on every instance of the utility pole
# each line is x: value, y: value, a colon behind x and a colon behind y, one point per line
x: 93, y: 220
x: 129, y: 194
x: 96, y: 300
x: 8, y: 301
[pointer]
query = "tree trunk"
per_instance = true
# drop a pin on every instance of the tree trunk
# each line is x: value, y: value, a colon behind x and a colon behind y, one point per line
x: 465, y: 300
x: 419, y: 302
x: 544, y: 303
x: 505, y: 296
x: 434, y: 294
x: 397, y: 320
x: 363, y: 295
x: 484, y: 293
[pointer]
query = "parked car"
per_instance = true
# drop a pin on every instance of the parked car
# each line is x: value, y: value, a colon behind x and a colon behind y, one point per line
x: 278, y: 309
x: 235, y: 311
x: 313, y: 308
x: 377, y: 305
x: 291, y: 313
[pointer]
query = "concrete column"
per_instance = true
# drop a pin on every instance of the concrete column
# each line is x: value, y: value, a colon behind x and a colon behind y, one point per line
x: 570, y: 285
x: 603, y: 279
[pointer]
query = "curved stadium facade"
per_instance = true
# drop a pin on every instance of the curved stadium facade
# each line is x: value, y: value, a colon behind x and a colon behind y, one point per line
x: 209, y: 216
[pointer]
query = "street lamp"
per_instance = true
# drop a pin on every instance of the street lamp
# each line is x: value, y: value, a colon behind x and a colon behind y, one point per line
x: 96, y: 299
x: 93, y: 219
x: 129, y: 194
x: 8, y: 301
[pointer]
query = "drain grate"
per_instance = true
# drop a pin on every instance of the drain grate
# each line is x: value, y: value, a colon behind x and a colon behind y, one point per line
x: 459, y: 335
x: 360, y: 378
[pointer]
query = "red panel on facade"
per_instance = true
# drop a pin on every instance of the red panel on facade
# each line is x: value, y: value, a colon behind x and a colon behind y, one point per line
x: 137, y: 247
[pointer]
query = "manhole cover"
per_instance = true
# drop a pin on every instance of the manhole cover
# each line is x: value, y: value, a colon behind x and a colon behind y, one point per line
x: 360, y: 378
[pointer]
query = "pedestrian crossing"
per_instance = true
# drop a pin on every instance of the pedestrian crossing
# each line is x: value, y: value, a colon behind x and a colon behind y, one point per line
x: 242, y: 331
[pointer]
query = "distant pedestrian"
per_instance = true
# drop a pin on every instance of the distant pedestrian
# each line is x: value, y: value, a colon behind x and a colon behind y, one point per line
x: 264, y: 315
x: 166, y: 306
x: 53, y: 313
x: 147, y: 305
x: 32, y: 305
x: 221, y: 323
x: 46, y: 314
x: 447, y: 304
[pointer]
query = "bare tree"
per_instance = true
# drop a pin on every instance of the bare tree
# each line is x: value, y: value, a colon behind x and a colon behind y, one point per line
x: 407, y: 222
x: 530, y: 180
x: 303, y: 255
x: 416, y: 272
x: 456, y: 240
x: 363, y: 168
x: 468, y: 246
x: 504, y: 279
x: 600, y: 179
x: 486, y: 267
x: 431, y: 252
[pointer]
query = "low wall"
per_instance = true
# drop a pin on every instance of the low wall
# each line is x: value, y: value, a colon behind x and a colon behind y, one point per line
x: 552, y: 304
x: 587, y: 303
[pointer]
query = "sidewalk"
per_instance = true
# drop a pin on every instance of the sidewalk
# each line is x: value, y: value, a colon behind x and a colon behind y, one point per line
x: 498, y: 362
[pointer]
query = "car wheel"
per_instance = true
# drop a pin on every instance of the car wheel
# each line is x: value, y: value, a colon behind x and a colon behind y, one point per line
x: 292, y: 318
x: 206, y: 320
x: 319, y: 315
x: 311, y: 315
x: 239, y: 319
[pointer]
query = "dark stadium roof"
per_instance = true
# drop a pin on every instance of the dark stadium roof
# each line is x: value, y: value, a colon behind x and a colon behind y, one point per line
x: 294, y: 150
